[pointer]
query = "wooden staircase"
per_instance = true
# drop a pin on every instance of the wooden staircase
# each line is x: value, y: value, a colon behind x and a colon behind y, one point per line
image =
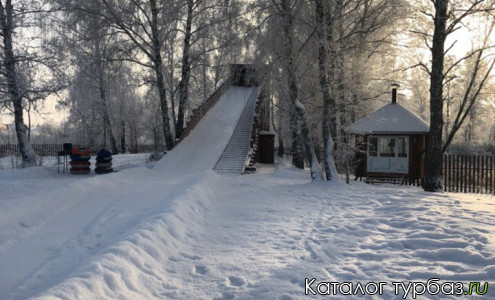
x: 237, y: 155
x: 385, y: 179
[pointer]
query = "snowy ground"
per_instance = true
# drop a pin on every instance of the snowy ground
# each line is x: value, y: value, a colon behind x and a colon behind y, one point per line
x: 177, y: 230
x: 133, y: 235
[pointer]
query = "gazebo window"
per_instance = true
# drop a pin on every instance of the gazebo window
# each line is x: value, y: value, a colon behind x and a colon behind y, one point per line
x: 387, y: 147
x: 373, y: 146
x: 403, y: 146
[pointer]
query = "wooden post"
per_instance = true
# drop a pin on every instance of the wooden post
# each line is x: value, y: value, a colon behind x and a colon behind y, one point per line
x: 445, y: 177
x: 492, y: 175
x: 478, y: 175
x: 457, y: 159
x: 451, y: 174
x: 487, y: 176
x: 471, y: 173
x: 483, y: 173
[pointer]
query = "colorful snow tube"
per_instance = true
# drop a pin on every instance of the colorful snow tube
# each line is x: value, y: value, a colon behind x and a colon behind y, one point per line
x: 103, y: 170
x: 104, y: 153
x: 80, y: 160
x: 79, y: 157
x: 103, y: 162
x: 80, y: 164
x: 86, y: 170
x: 81, y: 151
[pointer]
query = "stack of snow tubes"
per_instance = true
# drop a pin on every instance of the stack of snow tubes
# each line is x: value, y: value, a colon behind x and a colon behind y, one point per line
x: 103, y: 162
x: 79, y: 160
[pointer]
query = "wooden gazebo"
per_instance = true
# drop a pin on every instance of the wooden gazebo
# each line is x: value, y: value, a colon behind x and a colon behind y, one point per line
x: 395, y: 140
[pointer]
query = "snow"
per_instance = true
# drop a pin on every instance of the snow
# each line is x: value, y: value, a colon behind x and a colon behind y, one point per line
x: 178, y: 230
x: 390, y: 119
x: 201, y: 149
x: 136, y: 235
x: 300, y: 106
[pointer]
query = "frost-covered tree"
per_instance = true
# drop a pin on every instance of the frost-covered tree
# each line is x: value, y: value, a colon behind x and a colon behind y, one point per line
x: 209, y: 41
x: 143, y: 26
x: 28, y: 69
x: 447, y: 17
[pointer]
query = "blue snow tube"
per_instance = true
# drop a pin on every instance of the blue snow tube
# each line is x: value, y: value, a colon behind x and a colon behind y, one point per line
x: 80, y: 157
x: 104, y: 153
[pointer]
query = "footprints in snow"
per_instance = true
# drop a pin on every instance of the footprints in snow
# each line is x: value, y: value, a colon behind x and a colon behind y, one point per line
x: 232, y: 282
x: 236, y: 281
x: 201, y: 270
x: 229, y: 285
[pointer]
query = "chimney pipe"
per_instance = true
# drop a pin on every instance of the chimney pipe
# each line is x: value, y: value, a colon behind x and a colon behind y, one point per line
x: 394, y: 92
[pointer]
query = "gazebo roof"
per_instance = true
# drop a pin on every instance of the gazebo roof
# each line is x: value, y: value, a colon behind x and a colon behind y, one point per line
x: 390, y: 119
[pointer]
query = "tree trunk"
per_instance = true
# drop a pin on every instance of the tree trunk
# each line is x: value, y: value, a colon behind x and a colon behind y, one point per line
x: 171, y: 91
x: 328, y: 100
x: 157, y: 66
x: 186, y: 71
x: 315, y: 168
x: 297, y: 109
x: 296, y: 151
x: 6, y: 21
x: 123, y: 147
x: 433, y: 172
x: 331, y: 70
x: 103, y: 97
x: 281, y: 150
x: 278, y: 129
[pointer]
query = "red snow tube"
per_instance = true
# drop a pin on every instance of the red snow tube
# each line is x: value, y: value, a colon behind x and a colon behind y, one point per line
x: 80, y: 170
x: 83, y: 151
x: 80, y: 164
x: 80, y: 160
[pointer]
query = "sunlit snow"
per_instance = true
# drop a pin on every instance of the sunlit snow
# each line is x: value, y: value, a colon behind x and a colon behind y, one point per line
x: 177, y: 230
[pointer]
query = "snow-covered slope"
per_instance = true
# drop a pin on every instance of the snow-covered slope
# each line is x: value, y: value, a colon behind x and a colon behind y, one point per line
x: 201, y: 149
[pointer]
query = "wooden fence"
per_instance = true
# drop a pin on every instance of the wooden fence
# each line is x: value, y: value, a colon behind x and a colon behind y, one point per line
x: 469, y: 173
x: 52, y: 149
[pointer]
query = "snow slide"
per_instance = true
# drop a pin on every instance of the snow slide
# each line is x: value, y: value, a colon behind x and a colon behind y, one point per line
x: 201, y: 149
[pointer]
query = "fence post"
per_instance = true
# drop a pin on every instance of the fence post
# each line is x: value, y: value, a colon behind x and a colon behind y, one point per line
x: 492, y: 168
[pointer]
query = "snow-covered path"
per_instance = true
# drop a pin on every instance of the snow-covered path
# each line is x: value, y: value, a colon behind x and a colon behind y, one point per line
x: 259, y: 236
x: 263, y: 235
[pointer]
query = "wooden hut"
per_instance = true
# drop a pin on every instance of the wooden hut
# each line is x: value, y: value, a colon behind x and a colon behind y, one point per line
x: 394, y: 140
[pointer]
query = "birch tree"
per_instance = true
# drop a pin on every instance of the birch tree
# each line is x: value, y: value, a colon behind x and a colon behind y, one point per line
x: 208, y: 41
x: 91, y: 45
x: 447, y: 18
x: 186, y: 68
x: 144, y: 24
x: 328, y: 100
x: 25, y: 59
x: 479, y: 66
x: 298, y: 113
